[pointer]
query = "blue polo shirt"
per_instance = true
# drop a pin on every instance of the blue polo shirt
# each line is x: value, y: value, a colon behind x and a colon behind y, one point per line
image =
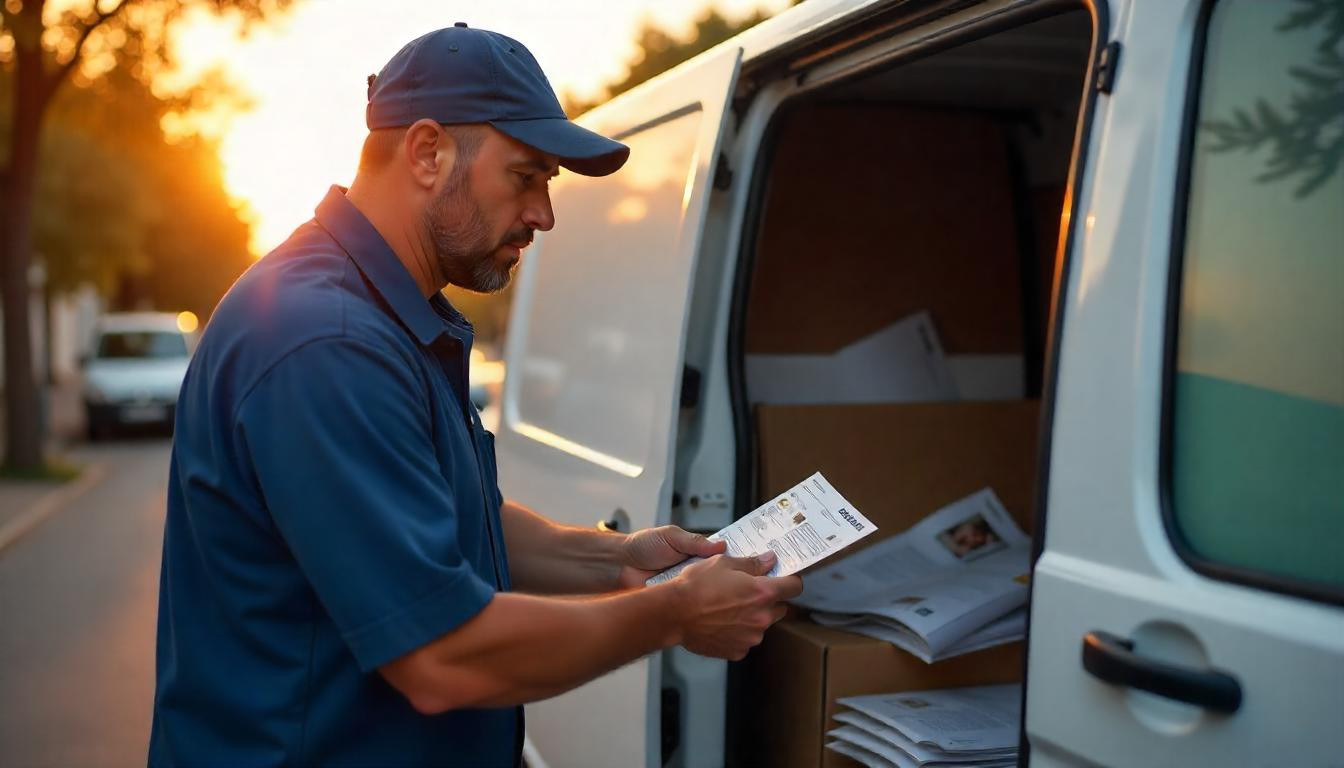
x: 332, y: 505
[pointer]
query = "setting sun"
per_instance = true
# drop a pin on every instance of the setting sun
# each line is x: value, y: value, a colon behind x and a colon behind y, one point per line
x: 304, y: 79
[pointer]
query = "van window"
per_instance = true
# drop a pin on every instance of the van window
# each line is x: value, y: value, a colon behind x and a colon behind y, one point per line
x: 583, y: 354
x: 1256, y: 423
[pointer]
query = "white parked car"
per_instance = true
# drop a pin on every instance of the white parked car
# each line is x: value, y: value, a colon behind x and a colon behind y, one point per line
x: 134, y: 369
x: 1122, y: 215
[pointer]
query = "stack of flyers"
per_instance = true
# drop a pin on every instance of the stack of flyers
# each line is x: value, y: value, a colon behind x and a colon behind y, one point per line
x: 962, y: 727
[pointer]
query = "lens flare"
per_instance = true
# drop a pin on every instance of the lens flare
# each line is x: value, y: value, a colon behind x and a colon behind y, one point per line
x: 187, y: 322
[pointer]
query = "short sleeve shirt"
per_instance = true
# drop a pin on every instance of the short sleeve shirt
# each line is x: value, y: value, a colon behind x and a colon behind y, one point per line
x: 332, y: 505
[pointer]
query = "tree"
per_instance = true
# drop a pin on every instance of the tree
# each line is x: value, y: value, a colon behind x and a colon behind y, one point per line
x: 89, y: 209
x: 120, y: 206
x: 44, y: 47
x: 192, y: 240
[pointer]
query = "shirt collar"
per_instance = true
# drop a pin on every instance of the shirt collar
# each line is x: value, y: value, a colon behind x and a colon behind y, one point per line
x: 374, y: 257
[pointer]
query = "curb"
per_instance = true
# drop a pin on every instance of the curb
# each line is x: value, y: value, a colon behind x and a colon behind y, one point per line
x: 44, y: 507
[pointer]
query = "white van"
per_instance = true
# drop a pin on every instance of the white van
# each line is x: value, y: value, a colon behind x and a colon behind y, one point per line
x: 1124, y: 216
x: 134, y: 369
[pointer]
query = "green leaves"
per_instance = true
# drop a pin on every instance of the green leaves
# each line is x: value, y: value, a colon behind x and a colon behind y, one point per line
x: 120, y: 207
x: 90, y: 216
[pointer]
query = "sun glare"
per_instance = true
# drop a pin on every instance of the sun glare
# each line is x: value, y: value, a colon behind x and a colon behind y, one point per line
x: 187, y: 322
x: 303, y: 78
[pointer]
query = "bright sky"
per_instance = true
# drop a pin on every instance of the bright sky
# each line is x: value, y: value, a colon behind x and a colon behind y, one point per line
x: 306, y: 78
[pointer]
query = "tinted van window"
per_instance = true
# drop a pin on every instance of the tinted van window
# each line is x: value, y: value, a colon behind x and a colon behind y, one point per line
x: 1257, y: 422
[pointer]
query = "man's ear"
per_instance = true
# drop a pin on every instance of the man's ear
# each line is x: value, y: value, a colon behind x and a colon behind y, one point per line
x: 429, y: 152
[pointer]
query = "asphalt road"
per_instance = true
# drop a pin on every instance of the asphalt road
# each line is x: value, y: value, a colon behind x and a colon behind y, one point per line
x: 78, y: 602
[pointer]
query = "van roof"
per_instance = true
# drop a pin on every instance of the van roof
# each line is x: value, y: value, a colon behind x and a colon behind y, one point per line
x: 792, y: 27
x: 803, y: 22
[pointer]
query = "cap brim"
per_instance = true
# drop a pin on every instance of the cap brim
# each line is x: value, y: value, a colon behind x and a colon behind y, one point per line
x: 579, y: 149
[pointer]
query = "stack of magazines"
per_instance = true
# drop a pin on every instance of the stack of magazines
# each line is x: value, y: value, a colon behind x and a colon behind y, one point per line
x: 961, y: 727
x: 954, y: 583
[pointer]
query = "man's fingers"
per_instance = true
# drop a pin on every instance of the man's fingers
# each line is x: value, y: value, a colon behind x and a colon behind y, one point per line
x: 786, y: 587
x: 693, y: 543
x: 758, y: 565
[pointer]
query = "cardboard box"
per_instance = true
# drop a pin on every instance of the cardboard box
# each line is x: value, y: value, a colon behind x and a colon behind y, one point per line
x: 900, y: 462
x: 897, y: 463
x: 918, y: 213
x: 797, y: 673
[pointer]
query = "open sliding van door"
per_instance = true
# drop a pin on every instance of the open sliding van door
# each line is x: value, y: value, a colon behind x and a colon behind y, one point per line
x: 594, y: 360
x: 1188, y: 608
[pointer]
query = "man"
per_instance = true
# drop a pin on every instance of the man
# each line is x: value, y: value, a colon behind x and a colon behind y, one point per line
x: 339, y: 567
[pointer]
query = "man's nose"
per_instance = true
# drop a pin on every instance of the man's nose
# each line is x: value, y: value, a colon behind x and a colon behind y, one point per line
x: 538, y: 213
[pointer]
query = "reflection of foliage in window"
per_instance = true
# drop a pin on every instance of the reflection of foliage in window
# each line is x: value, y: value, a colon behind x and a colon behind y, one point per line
x: 1309, y: 139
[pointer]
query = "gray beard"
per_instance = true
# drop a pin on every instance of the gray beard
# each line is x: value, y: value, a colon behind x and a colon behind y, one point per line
x: 461, y: 240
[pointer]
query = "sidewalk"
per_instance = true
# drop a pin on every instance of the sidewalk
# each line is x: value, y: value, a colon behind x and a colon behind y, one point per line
x: 18, y: 496
x: 23, y: 503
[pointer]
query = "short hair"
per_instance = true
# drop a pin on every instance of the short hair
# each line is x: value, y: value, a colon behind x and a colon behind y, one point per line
x: 381, y: 145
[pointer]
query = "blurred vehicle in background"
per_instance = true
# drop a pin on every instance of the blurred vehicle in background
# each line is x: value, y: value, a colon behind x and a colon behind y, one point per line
x: 134, y: 369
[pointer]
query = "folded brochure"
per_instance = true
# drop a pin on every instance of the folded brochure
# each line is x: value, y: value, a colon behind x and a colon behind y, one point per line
x: 802, y: 526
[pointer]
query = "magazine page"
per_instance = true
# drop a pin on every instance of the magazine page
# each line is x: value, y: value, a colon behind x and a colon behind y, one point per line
x: 861, y: 755
x: 802, y: 526
x: 951, y: 574
x: 1009, y: 628
x: 981, y: 719
x: 874, y: 745
x: 871, y: 750
x: 901, y: 746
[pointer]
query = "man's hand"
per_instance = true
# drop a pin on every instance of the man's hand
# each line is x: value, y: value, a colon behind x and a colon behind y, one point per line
x: 521, y: 648
x: 729, y: 602
x: 647, y: 552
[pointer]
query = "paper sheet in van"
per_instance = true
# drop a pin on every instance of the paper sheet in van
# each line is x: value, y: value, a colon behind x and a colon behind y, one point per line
x: 902, y: 362
x: 978, y: 721
x: 804, y: 525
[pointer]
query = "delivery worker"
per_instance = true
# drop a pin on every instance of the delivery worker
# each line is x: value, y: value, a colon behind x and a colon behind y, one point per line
x: 342, y: 582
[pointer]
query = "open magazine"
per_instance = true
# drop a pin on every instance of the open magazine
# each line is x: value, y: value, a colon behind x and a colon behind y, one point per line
x: 955, y: 582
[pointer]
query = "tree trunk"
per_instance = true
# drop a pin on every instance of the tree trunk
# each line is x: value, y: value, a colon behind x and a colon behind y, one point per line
x: 23, y: 443
x: 48, y: 341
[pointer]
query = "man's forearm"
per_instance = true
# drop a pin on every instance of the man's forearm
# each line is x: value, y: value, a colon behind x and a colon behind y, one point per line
x: 523, y: 648
x: 549, y: 558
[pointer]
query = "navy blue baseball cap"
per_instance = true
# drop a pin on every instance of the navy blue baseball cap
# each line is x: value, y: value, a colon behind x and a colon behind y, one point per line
x: 463, y: 75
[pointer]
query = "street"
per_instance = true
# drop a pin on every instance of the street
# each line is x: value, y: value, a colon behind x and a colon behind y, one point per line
x: 78, y: 600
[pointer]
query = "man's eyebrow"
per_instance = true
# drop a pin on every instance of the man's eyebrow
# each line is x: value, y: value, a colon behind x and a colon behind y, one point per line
x: 540, y: 166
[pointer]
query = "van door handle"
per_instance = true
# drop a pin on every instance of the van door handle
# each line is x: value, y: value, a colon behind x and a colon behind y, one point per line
x: 1112, y: 659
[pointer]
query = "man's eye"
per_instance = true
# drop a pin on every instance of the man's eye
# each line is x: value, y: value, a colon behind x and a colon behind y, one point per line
x: 526, y: 177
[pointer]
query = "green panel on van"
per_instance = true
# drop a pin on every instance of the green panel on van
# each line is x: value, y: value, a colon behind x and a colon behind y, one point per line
x: 1258, y: 478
